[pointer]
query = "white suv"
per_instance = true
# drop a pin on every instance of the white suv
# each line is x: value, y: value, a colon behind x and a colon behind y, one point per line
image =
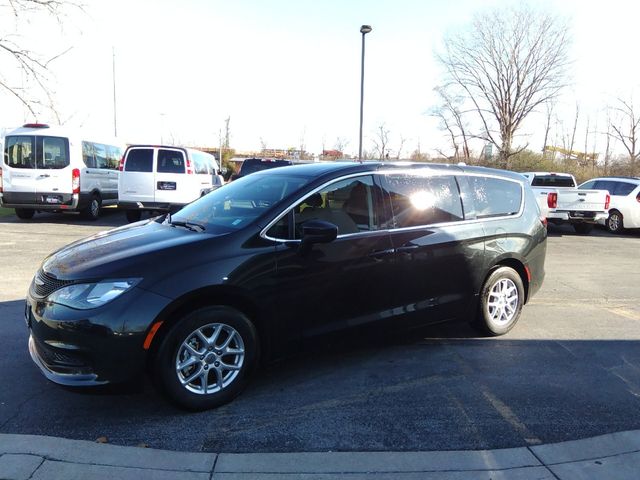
x: 624, y: 209
x: 163, y: 178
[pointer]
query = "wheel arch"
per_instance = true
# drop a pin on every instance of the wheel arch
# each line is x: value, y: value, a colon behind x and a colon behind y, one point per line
x: 518, y: 266
x: 207, y: 296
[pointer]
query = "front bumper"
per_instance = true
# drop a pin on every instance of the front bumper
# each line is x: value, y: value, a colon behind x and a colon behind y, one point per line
x: 91, y: 347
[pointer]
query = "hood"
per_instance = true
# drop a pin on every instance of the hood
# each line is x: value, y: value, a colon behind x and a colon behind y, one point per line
x: 122, y: 251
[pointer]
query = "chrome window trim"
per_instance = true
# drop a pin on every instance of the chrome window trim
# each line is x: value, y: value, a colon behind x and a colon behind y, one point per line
x: 425, y: 172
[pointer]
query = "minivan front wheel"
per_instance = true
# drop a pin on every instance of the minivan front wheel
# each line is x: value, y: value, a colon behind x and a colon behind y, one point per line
x: 206, y: 359
x: 501, y: 301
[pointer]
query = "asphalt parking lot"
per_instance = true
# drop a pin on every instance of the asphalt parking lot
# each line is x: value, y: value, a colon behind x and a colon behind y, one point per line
x: 570, y: 369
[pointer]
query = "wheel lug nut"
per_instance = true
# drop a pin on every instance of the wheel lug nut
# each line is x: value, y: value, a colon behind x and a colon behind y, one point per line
x: 217, y: 364
x: 206, y: 367
x: 201, y: 357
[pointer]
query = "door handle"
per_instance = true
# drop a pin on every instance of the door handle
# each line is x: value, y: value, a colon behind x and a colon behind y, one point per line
x: 379, y: 254
x: 407, y: 248
x: 45, y: 175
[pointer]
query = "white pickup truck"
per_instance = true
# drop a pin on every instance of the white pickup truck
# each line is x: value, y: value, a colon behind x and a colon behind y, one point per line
x: 561, y: 202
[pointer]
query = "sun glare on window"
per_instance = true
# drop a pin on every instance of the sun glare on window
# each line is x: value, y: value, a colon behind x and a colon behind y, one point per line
x: 421, y: 200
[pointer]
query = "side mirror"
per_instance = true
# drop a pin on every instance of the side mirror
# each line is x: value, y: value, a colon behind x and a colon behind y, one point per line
x: 317, y: 231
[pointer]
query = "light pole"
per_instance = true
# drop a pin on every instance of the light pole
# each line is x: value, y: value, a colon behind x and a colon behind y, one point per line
x: 364, y: 29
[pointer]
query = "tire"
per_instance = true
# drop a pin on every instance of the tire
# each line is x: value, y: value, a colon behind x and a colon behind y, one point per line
x: 615, y: 222
x: 583, y: 228
x: 501, y: 300
x: 92, y: 210
x: 133, y: 215
x: 229, y: 331
x: 25, y: 213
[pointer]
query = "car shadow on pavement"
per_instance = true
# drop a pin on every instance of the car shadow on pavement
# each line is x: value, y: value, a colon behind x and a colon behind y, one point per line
x: 437, y: 388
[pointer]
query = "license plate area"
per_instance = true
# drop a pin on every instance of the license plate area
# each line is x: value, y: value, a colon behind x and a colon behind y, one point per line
x: 166, y: 185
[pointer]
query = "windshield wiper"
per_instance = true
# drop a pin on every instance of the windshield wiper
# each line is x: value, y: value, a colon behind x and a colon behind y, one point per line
x: 194, y: 227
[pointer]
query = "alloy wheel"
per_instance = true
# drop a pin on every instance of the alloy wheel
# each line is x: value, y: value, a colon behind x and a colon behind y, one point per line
x: 503, y: 301
x: 210, y: 358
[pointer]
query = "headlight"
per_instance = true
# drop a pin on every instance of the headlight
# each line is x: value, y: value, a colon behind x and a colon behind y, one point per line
x: 84, y: 296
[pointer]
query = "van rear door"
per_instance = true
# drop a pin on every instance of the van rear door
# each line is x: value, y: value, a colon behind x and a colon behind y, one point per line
x: 20, y: 169
x: 54, y: 175
x: 171, y: 177
x: 136, y: 181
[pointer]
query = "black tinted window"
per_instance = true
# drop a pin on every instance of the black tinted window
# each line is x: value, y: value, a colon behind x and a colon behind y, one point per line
x: 19, y: 152
x: 623, y: 188
x: 170, y: 161
x: 495, y: 196
x: 552, y: 181
x: 252, y: 165
x: 608, y: 185
x: 423, y: 200
x: 139, y: 160
x: 52, y: 153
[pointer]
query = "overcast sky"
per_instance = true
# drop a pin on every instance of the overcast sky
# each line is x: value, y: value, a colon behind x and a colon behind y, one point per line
x: 287, y: 72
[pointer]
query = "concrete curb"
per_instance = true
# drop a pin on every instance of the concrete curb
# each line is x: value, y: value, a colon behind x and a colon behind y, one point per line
x: 25, y: 457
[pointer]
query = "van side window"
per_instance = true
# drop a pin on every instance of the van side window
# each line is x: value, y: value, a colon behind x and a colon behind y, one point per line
x: 113, y: 157
x: 139, y: 160
x: 170, y: 161
x: 201, y: 163
x: 495, y: 197
x: 88, y: 155
x: 423, y: 200
x: 101, y: 155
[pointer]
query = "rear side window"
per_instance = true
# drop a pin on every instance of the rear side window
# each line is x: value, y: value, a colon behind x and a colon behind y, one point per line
x: 552, y: 181
x: 624, y: 188
x: 495, y: 197
x: 139, y: 160
x: 170, y: 161
x: 202, y: 163
x: 19, y: 152
x: 423, y: 200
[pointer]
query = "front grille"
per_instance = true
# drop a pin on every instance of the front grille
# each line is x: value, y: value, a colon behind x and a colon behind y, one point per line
x: 44, y: 285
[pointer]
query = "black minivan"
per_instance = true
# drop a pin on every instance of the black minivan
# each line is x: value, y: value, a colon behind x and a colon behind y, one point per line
x: 252, y: 269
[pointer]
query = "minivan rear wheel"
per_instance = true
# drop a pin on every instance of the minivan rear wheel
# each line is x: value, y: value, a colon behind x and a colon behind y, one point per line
x: 501, y: 300
x: 25, y: 213
x: 205, y: 360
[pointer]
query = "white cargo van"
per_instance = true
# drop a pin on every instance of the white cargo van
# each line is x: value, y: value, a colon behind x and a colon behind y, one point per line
x: 58, y: 169
x: 163, y: 178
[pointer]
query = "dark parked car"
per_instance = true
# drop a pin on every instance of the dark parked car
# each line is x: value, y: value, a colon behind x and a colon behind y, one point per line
x: 258, y: 265
x: 253, y: 165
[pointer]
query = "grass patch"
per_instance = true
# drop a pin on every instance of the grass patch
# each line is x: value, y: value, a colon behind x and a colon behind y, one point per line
x: 5, y: 212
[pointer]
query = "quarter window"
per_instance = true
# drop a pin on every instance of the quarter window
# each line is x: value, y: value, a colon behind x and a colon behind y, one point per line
x: 423, y: 200
x: 495, y: 197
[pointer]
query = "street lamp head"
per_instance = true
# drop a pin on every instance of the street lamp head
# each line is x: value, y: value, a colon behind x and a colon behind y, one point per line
x: 364, y: 29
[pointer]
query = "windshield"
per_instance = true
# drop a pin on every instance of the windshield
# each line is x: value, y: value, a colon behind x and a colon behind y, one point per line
x: 552, y: 181
x: 238, y: 203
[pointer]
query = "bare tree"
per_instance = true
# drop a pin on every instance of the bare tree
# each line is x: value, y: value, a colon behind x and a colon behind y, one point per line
x: 449, y: 112
x: 627, y: 130
x: 341, y: 144
x: 508, y: 62
x: 381, y: 141
x: 227, y: 133
x: 400, y: 147
x: 549, y: 113
x: 569, y: 154
x: 33, y: 67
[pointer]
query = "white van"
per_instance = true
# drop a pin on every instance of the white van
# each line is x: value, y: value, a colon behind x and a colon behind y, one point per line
x: 164, y: 178
x: 58, y: 169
